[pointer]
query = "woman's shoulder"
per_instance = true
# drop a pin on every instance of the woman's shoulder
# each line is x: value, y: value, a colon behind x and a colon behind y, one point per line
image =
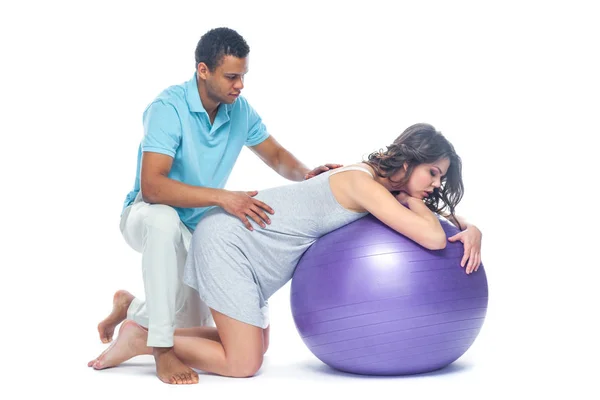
x: 358, y: 167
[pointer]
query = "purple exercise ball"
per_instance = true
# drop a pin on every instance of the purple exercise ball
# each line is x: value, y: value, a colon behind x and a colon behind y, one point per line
x: 367, y: 300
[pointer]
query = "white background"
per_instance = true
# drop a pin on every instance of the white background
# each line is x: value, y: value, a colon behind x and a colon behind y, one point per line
x: 514, y: 85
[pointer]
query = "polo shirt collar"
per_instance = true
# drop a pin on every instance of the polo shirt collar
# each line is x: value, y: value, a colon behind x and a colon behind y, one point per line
x: 192, y: 96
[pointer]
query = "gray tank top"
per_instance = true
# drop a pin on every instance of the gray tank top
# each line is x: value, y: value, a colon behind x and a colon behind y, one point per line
x: 304, y: 212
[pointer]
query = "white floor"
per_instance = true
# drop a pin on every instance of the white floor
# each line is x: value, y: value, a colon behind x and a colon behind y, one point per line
x: 539, y: 337
x: 502, y: 362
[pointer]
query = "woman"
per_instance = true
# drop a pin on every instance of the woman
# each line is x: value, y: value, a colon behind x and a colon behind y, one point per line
x: 236, y: 270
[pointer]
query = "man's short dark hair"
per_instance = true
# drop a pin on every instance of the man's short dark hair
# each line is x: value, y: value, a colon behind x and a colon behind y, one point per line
x: 217, y: 43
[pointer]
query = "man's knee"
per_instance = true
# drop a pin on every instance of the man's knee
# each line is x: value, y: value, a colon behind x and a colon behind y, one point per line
x: 163, y: 218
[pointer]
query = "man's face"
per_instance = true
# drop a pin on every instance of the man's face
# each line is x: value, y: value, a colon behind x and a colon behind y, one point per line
x: 226, y: 82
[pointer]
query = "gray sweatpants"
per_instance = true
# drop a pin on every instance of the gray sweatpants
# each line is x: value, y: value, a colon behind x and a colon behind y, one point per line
x: 156, y: 231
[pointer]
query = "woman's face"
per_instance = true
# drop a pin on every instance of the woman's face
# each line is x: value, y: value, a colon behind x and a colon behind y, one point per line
x: 424, y: 178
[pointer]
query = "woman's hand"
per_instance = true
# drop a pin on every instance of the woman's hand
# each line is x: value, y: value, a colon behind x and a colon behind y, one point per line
x: 403, y: 197
x: 471, y: 239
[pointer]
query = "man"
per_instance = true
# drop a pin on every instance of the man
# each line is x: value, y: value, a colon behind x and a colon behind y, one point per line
x: 193, y: 134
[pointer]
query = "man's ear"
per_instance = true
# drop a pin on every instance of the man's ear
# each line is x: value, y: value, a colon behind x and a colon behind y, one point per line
x: 202, y: 71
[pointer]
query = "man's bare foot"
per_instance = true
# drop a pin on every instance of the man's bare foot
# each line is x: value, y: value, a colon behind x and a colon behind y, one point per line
x: 121, y: 301
x: 130, y: 343
x: 170, y: 369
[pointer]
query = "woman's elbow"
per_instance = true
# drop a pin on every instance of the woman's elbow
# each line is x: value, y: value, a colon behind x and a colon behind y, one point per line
x: 437, y: 242
x: 441, y: 245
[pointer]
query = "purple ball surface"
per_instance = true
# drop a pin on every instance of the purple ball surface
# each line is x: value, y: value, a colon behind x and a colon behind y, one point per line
x: 367, y: 300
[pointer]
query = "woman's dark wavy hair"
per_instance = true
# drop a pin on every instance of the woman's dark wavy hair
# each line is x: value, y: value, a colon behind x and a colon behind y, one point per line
x: 419, y: 144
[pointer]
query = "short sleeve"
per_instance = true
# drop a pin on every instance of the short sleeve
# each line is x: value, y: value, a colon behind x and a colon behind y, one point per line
x: 162, y: 129
x: 257, y: 131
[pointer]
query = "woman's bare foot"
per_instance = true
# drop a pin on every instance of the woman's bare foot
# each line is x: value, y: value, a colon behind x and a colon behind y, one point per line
x: 121, y: 301
x: 170, y: 369
x: 130, y: 343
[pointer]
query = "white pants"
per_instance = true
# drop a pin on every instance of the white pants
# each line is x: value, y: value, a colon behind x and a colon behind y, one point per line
x: 156, y: 231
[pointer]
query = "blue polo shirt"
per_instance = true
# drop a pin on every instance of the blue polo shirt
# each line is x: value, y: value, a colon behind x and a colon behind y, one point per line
x: 176, y: 124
